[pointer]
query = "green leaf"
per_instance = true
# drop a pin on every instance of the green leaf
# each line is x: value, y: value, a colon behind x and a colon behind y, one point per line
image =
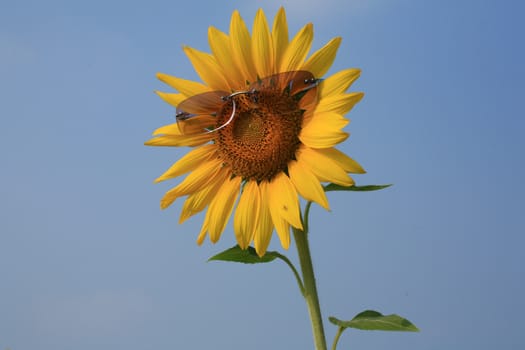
x: 374, y: 321
x: 334, y: 187
x: 246, y: 256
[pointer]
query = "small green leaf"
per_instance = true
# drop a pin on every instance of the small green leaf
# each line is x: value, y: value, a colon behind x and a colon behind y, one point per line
x: 246, y: 256
x: 334, y: 187
x: 374, y: 321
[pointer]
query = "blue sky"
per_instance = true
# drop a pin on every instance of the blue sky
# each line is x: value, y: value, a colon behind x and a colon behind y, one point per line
x: 88, y: 260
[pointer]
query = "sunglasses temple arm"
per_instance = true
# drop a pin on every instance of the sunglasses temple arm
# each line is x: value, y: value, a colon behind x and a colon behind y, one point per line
x: 229, y: 120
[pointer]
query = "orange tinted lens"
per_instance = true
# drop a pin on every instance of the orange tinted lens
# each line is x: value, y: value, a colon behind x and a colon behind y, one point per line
x: 292, y: 83
x: 197, y: 124
x: 198, y: 113
x: 205, y: 103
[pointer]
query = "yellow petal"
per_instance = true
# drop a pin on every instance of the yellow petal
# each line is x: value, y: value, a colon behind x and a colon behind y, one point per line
x: 171, y: 98
x: 332, y: 119
x: 170, y: 129
x: 326, y: 169
x: 195, y: 181
x: 319, y: 63
x: 186, y: 87
x: 262, y: 46
x: 189, y: 162
x: 247, y: 214
x: 324, y: 130
x: 338, y: 83
x: 207, y: 68
x: 297, y: 50
x: 282, y: 227
x: 204, y: 230
x: 179, y: 140
x: 196, y: 202
x: 280, y: 36
x: 341, y: 104
x: 221, y: 48
x: 264, y: 228
x: 283, y: 198
x: 175, y: 129
x: 307, y: 184
x: 241, y: 45
x: 320, y: 138
x: 348, y: 164
x: 221, y: 207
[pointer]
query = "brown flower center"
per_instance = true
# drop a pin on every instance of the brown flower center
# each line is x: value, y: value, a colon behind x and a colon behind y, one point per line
x: 263, y: 135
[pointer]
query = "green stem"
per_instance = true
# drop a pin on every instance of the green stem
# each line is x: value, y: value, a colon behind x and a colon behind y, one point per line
x: 305, y: 218
x: 294, y: 270
x: 310, y: 289
x: 336, y: 339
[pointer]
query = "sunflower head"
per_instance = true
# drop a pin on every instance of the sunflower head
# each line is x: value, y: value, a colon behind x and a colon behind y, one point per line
x: 263, y: 125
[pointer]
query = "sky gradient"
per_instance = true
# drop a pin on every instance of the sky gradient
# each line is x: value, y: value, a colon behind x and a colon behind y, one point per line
x: 88, y: 260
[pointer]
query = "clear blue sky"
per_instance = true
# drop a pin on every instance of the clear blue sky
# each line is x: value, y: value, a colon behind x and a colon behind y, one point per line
x: 89, y: 261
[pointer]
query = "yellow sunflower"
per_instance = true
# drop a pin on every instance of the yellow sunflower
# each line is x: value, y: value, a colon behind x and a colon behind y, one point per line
x: 263, y: 127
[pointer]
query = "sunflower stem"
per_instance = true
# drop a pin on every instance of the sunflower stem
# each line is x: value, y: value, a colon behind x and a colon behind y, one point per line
x: 310, y: 289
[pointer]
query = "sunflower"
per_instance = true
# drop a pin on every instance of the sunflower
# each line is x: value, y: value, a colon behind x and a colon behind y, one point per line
x: 263, y: 126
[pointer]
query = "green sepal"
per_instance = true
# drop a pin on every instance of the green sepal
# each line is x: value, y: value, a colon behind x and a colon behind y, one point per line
x: 245, y: 256
x: 374, y: 321
x: 366, y: 188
